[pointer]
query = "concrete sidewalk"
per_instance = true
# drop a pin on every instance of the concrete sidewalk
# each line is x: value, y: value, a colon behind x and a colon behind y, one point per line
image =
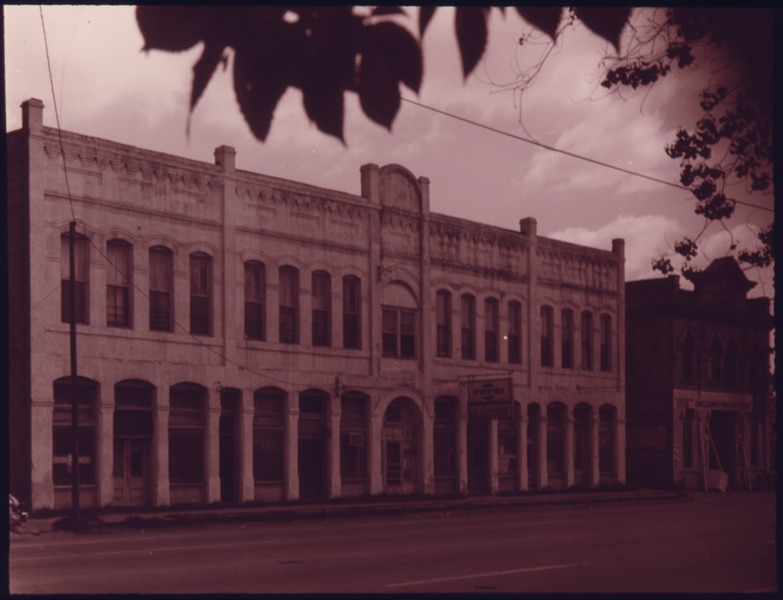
x: 104, y: 519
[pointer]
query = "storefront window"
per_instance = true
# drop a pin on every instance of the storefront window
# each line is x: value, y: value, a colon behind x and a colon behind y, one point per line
x: 268, y: 429
x: 186, y: 433
x: 353, y: 437
x: 445, y: 443
x: 555, y: 439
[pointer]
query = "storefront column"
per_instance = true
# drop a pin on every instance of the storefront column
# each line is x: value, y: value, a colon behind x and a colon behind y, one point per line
x: 542, y: 478
x: 619, y: 451
x: 247, y: 488
x: 462, y: 452
x: 291, y: 451
x: 522, y: 474
x: 595, y: 470
x: 160, y: 451
x: 374, y: 442
x: 569, y: 448
x: 333, y: 449
x: 104, y: 450
x: 212, y: 449
x: 494, y: 482
x: 428, y: 453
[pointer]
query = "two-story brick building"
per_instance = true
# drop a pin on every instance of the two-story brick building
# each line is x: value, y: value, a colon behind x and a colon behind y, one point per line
x: 246, y: 338
x: 698, y: 400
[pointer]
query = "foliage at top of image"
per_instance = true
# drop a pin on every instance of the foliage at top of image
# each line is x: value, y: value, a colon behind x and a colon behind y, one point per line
x: 328, y: 51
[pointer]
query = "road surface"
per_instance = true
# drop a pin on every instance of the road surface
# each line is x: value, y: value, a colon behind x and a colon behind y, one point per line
x: 715, y: 543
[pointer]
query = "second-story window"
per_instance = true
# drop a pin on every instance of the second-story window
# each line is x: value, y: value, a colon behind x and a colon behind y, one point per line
x: 716, y: 358
x: 399, y: 332
x: 118, y: 280
x: 468, y: 316
x: 352, y: 305
x: 443, y: 323
x: 606, y: 343
x: 322, y: 308
x: 81, y: 269
x: 514, y: 332
x: 161, y: 289
x: 547, y: 336
x: 255, y: 296
x: 567, y: 339
x: 730, y: 364
x: 289, y: 305
x: 587, y: 341
x: 491, y: 325
x: 200, y: 294
x: 688, y: 356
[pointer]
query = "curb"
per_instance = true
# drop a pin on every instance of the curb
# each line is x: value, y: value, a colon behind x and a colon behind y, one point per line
x: 320, y: 512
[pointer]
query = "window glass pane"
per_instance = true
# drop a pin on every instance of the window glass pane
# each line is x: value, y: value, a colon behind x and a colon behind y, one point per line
x: 514, y: 332
x: 254, y: 282
x: 267, y: 454
x: 118, y: 263
x: 351, y: 312
x: 186, y: 455
x: 161, y: 269
x: 389, y: 332
x: 567, y: 317
x: 587, y: 340
x: 199, y: 275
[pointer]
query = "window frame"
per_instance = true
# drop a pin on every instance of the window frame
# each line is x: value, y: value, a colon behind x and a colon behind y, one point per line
x: 468, y: 326
x: 201, y: 294
x: 352, y: 312
x: 161, y: 288
x: 547, y: 316
x: 515, y: 332
x: 491, y: 330
x: 255, y: 300
x: 288, y: 325
x: 321, y: 308
x: 118, y: 314
x: 586, y: 328
x: 567, y: 338
x: 443, y: 324
x: 395, y: 342
x: 81, y: 269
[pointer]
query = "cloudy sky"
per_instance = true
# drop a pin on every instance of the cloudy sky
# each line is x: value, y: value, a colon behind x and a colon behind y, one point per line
x: 107, y: 87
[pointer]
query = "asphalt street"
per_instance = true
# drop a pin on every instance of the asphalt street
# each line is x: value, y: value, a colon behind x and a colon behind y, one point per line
x: 715, y: 543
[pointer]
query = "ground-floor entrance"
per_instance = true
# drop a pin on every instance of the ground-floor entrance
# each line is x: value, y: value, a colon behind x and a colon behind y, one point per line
x: 131, y: 460
x: 478, y: 457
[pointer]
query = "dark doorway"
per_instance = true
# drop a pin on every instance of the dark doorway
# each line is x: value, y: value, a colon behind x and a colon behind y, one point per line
x: 229, y: 405
x: 312, y: 444
x: 723, y: 429
x: 583, y: 459
x: 478, y: 457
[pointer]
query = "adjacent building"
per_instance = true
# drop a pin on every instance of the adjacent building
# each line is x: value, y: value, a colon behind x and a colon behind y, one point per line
x: 246, y: 338
x: 698, y: 402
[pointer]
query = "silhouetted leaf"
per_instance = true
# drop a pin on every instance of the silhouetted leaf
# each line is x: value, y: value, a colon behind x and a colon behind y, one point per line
x: 425, y: 16
x: 471, y: 29
x: 607, y: 22
x: 379, y: 11
x: 203, y: 70
x: 379, y: 91
x: 398, y: 49
x: 259, y: 82
x: 545, y: 18
x: 324, y: 105
x: 170, y: 28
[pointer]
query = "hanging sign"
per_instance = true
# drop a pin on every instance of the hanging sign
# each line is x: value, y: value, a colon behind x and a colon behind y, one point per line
x: 491, y: 399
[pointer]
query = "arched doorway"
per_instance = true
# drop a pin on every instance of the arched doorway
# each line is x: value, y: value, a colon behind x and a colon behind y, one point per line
x: 555, y: 444
x: 444, y: 445
x: 607, y: 416
x: 533, y: 429
x: 583, y: 457
x: 313, y: 408
x: 229, y: 450
x: 401, y: 439
x: 133, y: 428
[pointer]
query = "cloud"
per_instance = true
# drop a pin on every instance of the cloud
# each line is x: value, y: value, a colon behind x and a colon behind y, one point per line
x: 643, y: 237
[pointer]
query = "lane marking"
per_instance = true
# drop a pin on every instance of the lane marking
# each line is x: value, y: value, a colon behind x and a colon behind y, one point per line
x: 488, y: 574
x: 150, y: 550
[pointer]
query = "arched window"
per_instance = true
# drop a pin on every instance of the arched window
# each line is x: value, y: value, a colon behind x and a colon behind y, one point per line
x: 547, y: 336
x: 289, y: 305
x: 468, y: 319
x: 268, y: 431
x: 567, y: 338
x: 587, y: 340
x: 81, y: 270
x: 491, y: 325
x: 730, y: 364
x: 716, y: 358
x: 443, y: 323
x: 322, y: 308
x: 688, y: 358
x: 62, y: 439
x: 161, y: 289
x: 119, y: 268
x: 353, y: 436
x: 255, y: 299
x: 606, y: 343
x: 352, y: 312
x: 200, y: 294
x: 187, y: 426
x: 514, y: 332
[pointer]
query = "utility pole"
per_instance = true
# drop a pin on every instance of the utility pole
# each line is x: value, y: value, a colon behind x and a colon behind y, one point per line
x: 74, y: 395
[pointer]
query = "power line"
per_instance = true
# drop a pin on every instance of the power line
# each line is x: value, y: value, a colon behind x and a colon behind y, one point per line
x: 565, y: 152
x: 56, y: 112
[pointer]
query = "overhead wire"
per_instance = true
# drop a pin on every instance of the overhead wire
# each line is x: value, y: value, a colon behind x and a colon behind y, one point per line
x: 564, y: 152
